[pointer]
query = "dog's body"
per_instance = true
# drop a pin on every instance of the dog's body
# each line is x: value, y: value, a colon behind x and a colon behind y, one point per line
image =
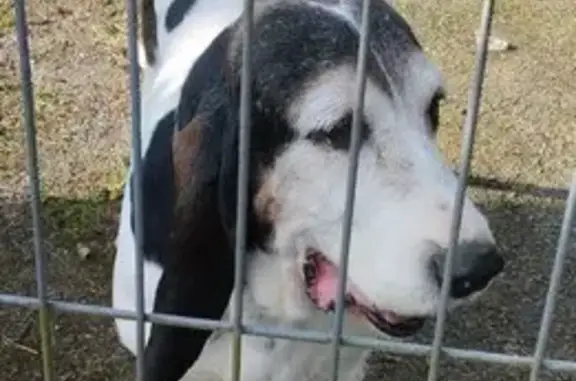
x: 303, y: 86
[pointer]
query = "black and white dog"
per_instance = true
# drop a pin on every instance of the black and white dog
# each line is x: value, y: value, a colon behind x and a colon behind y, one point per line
x: 303, y: 70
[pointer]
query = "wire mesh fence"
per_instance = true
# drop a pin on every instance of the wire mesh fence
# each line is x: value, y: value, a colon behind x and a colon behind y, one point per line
x: 335, y: 338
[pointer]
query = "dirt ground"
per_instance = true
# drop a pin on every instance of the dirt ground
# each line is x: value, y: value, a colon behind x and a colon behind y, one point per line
x: 524, y: 152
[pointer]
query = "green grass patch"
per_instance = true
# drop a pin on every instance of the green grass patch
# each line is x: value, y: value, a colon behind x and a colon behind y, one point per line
x: 6, y: 17
x: 69, y: 221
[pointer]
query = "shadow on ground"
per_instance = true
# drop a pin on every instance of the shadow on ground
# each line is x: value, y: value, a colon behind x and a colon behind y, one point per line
x: 85, y: 347
x: 506, y: 320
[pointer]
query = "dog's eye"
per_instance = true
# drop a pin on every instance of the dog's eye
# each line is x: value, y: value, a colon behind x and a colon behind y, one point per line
x: 340, y: 135
x: 433, y: 111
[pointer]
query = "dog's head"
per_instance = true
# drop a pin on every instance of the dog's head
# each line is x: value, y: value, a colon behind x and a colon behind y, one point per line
x: 303, y: 86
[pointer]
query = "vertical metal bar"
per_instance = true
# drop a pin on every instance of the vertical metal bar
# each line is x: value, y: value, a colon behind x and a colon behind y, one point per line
x: 561, y: 250
x: 34, y: 181
x: 469, y: 133
x: 242, y: 195
x: 351, y: 186
x: 132, y: 27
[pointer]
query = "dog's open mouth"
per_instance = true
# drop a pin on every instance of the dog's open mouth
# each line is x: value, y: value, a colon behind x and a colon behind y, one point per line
x: 321, y: 278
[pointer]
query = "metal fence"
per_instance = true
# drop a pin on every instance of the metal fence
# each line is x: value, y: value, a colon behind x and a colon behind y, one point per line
x: 336, y: 339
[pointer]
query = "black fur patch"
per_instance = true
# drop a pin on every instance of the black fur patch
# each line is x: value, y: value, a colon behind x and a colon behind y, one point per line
x: 176, y: 13
x: 295, y: 43
x: 148, y: 31
x: 434, y: 112
x: 157, y: 191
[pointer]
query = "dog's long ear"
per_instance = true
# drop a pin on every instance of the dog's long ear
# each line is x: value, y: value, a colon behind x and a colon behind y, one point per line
x: 199, y: 269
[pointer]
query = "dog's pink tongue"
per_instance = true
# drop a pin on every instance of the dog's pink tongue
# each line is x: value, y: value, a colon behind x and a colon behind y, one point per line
x: 324, y: 291
x: 326, y: 286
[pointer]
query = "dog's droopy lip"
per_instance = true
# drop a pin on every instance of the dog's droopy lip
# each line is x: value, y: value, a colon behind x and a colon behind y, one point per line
x: 321, y: 279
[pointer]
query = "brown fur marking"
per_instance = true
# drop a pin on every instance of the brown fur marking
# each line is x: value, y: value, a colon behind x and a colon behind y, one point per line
x: 184, y: 149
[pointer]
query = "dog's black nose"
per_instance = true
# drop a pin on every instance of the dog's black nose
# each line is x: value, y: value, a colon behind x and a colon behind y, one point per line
x: 475, y: 265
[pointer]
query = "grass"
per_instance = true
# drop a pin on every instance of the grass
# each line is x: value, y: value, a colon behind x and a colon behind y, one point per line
x: 6, y: 19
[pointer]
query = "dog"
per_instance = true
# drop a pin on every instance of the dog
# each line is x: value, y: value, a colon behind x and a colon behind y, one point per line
x: 303, y: 85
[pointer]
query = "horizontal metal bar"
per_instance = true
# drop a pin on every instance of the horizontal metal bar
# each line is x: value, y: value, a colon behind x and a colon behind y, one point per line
x: 101, y: 311
x: 457, y: 353
x: 401, y: 348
